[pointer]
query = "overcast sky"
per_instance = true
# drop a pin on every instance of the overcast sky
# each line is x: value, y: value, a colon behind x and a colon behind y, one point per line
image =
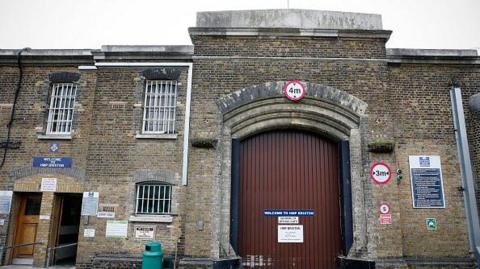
x: 56, y: 24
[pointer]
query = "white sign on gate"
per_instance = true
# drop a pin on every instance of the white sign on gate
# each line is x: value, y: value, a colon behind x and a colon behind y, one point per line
x: 287, y: 220
x: 290, y: 233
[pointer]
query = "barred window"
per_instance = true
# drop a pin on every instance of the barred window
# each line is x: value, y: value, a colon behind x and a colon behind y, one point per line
x: 60, y: 113
x: 160, y: 107
x: 153, y: 198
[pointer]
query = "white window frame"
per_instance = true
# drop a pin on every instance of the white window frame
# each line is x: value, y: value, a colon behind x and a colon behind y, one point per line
x: 160, y: 107
x: 156, y: 204
x: 61, y: 109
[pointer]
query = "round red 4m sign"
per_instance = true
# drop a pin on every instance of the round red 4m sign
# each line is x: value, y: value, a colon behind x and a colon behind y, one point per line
x: 380, y: 173
x: 294, y: 90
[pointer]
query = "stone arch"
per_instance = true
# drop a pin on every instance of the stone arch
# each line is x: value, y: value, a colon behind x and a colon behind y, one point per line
x: 325, y: 110
x: 28, y: 179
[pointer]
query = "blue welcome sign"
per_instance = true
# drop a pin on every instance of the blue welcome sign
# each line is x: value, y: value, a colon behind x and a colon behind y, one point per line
x: 52, y: 162
x: 288, y: 213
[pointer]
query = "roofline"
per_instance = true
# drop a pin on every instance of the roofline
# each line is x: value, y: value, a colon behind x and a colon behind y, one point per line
x: 176, y: 53
x: 440, y: 56
x: 287, y: 32
x: 90, y: 56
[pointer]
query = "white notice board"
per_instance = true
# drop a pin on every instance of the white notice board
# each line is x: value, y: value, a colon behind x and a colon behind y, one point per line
x: 90, y: 204
x: 5, y: 201
x: 117, y: 229
x: 426, y: 181
x: 290, y: 233
x: 48, y: 184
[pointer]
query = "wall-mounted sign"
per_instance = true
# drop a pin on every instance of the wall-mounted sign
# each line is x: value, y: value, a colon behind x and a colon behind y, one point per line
x: 48, y: 184
x: 53, y: 147
x: 2, y: 222
x: 52, y: 162
x: 294, y: 90
x: 90, y: 204
x: 288, y: 220
x: 290, y: 233
x: 89, y: 233
x: 386, y: 219
x: 288, y: 213
x: 380, y: 173
x: 384, y: 208
x: 431, y: 224
x: 5, y: 201
x: 385, y: 216
x: 117, y: 229
x: 44, y: 217
x: 427, y: 182
x: 106, y: 211
x: 144, y: 232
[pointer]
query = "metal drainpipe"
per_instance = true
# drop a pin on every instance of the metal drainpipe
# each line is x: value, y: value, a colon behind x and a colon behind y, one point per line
x: 17, y: 93
x: 471, y: 212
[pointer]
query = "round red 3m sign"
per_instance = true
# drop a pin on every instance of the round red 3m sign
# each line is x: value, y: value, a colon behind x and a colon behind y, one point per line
x: 380, y: 173
x: 294, y: 90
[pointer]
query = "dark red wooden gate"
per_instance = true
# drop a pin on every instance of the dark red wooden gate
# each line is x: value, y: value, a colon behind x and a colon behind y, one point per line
x: 289, y: 170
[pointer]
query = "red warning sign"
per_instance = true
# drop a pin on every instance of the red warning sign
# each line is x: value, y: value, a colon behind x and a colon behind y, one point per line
x: 380, y: 173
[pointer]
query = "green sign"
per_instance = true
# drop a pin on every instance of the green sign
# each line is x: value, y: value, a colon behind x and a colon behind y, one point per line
x: 431, y: 224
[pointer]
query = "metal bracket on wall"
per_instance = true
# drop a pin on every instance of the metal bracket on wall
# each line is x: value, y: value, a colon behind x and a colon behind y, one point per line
x: 10, y: 144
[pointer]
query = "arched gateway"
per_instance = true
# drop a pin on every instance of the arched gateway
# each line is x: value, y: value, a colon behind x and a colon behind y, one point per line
x: 293, y: 166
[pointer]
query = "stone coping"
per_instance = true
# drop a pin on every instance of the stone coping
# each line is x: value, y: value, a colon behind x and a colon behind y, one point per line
x: 288, y: 32
x: 187, y: 49
x: 289, y: 18
x: 432, y: 52
x: 120, y: 53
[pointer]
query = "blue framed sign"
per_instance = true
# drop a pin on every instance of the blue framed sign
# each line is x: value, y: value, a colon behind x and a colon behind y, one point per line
x: 427, y: 182
x: 288, y: 213
x: 52, y: 162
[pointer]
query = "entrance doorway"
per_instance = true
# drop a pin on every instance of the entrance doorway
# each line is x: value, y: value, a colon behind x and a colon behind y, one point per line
x: 294, y: 171
x: 27, y: 225
x: 65, y: 229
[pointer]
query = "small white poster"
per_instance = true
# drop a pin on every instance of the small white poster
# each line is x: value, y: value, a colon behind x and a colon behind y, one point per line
x: 106, y: 215
x: 2, y: 222
x: 90, y: 204
x: 106, y: 211
x: 48, y: 184
x: 89, y: 233
x: 288, y: 220
x: 44, y: 217
x: 5, y: 201
x: 117, y: 229
x: 290, y: 233
x: 144, y: 232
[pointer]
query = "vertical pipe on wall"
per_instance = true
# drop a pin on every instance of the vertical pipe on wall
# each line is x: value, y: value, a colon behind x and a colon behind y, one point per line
x: 187, y: 126
x: 466, y: 172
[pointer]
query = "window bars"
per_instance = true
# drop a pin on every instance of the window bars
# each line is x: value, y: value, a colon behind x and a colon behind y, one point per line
x: 160, y: 107
x: 60, y: 113
x: 153, y: 199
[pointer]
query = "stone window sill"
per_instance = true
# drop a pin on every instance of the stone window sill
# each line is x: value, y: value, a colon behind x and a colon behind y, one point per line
x: 151, y: 218
x: 156, y: 136
x: 54, y: 137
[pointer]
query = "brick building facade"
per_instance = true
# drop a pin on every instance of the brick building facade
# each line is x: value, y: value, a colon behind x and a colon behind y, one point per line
x: 152, y: 131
